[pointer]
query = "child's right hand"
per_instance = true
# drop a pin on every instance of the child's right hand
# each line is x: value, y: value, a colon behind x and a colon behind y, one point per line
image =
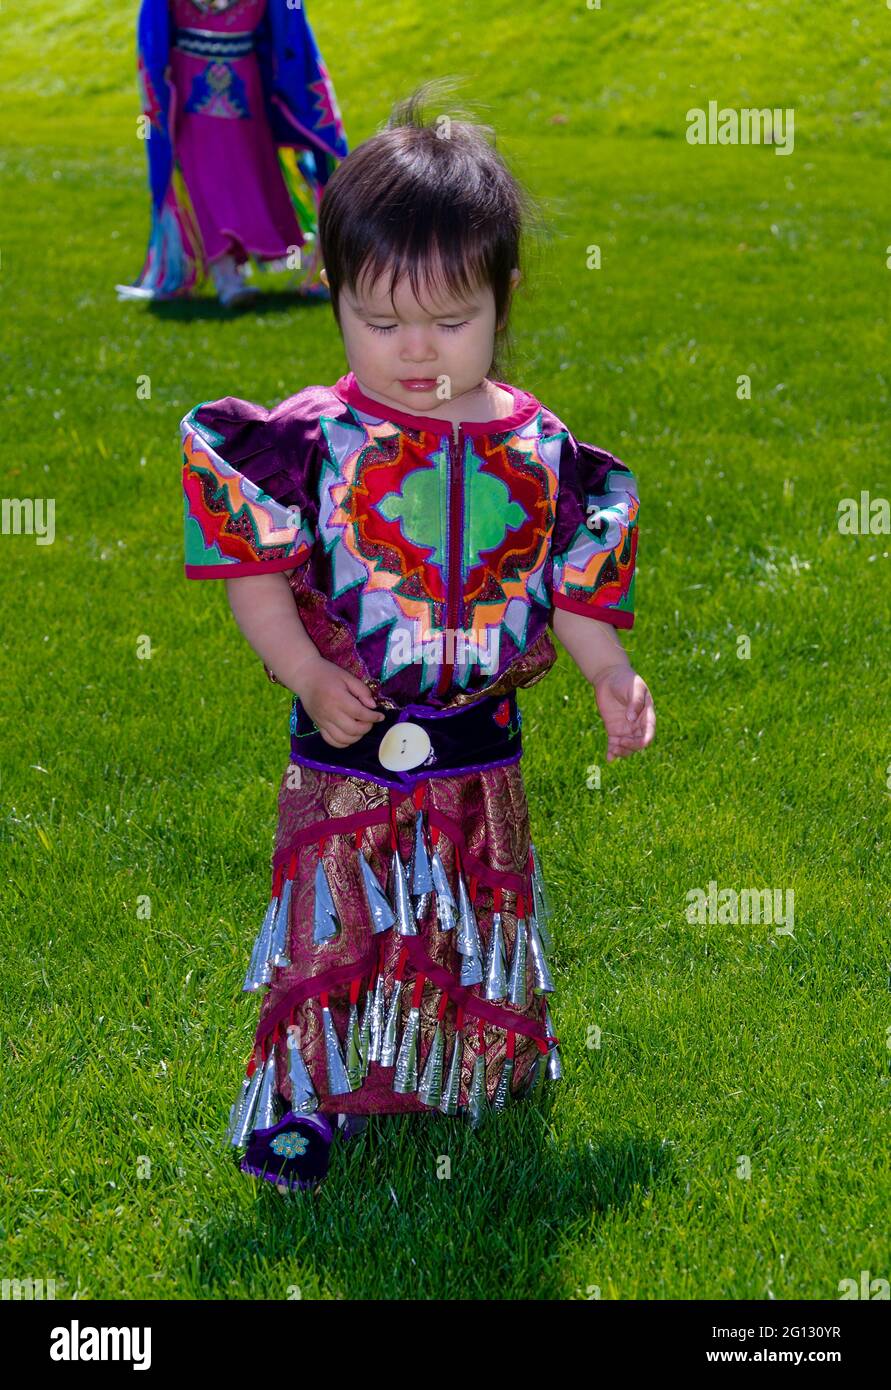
x: 339, y: 703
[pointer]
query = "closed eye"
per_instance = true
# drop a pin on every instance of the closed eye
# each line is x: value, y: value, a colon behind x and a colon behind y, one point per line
x: 389, y: 328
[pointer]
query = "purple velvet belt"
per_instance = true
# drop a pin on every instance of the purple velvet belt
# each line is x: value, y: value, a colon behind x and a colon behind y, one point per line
x: 416, y: 742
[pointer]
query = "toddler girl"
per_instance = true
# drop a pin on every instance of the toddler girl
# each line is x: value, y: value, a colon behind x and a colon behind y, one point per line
x: 397, y: 547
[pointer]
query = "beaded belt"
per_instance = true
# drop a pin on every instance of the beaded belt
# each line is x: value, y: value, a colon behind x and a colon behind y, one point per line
x: 206, y: 43
x: 417, y: 742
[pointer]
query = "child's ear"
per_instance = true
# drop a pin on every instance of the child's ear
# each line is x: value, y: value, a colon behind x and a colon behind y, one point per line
x: 323, y: 276
x: 514, y: 281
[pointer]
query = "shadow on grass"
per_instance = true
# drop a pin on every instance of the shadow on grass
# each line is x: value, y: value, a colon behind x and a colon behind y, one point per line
x: 208, y: 307
x: 421, y: 1207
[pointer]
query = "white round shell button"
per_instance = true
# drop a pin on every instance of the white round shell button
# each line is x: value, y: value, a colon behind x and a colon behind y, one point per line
x: 403, y: 746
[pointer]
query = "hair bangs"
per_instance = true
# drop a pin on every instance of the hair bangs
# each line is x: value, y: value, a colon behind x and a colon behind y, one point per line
x: 433, y: 202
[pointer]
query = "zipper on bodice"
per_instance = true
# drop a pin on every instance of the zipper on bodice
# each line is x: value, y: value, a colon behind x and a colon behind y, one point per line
x: 454, y: 557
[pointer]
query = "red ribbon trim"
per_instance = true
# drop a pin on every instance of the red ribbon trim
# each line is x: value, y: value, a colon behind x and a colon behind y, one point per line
x: 380, y: 815
x: 413, y: 952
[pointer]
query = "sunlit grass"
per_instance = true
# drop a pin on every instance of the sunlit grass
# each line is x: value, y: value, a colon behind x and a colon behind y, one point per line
x: 723, y: 1049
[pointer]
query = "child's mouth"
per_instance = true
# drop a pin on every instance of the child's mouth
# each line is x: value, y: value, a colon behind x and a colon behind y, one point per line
x: 419, y: 383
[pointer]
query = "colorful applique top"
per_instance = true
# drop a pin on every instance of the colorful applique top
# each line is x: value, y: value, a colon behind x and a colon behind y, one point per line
x: 425, y: 563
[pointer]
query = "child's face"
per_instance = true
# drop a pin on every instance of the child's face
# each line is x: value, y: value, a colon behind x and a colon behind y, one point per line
x: 423, y: 354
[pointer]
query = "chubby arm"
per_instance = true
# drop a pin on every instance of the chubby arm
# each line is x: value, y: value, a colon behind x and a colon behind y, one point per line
x: 340, y: 704
x: 264, y: 609
x: 593, y: 645
x: 625, y: 704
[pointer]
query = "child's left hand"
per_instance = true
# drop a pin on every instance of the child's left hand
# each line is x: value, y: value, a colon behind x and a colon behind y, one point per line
x: 627, y: 710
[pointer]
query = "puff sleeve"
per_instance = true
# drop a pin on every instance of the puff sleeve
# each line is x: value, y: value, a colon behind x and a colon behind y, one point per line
x: 594, y: 540
x: 249, y: 499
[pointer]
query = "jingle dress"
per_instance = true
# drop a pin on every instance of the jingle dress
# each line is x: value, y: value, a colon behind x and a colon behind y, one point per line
x: 399, y: 536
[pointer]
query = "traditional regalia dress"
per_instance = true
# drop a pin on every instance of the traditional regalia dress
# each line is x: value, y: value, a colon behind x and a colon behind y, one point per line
x: 403, y: 955
x: 243, y: 133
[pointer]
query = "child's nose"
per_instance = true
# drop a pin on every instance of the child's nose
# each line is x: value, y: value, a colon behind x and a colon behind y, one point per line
x: 417, y: 347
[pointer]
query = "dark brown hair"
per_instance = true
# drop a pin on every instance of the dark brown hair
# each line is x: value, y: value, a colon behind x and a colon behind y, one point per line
x: 433, y: 200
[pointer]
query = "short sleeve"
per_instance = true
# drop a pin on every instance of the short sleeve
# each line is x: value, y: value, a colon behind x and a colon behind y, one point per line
x: 594, y: 540
x: 248, y: 496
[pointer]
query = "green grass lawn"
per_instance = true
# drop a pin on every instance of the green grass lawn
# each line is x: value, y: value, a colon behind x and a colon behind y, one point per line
x: 724, y: 1049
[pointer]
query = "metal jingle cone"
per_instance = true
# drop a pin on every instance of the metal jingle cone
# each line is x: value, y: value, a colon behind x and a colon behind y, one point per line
x: 544, y: 932
x: 245, y: 1119
x: 449, y: 1102
x: 303, y: 1093
x: 540, y: 921
x: 539, y: 882
x: 534, y: 1077
x: 446, y: 907
x: 502, y: 1090
x: 476, y: 1100
x: 382, y: 914
x: 446, y: 917
x: 390, y: 1039
x: 354, y: 1063
x: 377, y: 1021
x: 254, y: 979
x: 405, y: 919
x: 269, y: 1107
x: 237, y: 1108
x: 471, y: 971
x: 516, y: 984
x: 430, y: 1089
x: 281, y: 933
x: 422, y: 907
x: 338, y: 1080
x: 541, y: 909
x: 365, y: 1030
x: 420, y: 875
x: 325, y: 923
x: 541, y: 973
x: 554, y: 1066
x: 496, y: 969
x: 469, y: 943
x: 406, y: 1078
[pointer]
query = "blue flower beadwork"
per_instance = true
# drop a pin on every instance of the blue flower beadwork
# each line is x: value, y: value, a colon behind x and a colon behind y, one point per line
x: 291, y: 1145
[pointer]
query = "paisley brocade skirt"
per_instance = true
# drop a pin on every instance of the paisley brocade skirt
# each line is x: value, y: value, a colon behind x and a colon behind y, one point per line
x: 393, y: 1003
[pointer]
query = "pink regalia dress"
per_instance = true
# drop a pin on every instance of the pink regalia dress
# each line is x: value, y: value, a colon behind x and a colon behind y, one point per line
x: 242, y: 132
x: 221, y: 136
x: 403, y: 956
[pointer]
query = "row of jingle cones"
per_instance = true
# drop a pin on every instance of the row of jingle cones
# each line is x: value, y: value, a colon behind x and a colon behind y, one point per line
x: 259, y: 1104
x: 376, y: 1037
x: 425, y: 878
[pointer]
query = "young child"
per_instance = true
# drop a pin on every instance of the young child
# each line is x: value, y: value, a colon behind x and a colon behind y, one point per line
x: 397, y: 547
x: 243, y: 132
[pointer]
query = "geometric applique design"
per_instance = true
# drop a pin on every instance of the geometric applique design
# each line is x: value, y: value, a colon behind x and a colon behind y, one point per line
x: 392, y: 502
x: 218, y: 91
x: 232, y: 525
x: 324, y: 102
x: 597, y: 570
x: 436, y: 557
